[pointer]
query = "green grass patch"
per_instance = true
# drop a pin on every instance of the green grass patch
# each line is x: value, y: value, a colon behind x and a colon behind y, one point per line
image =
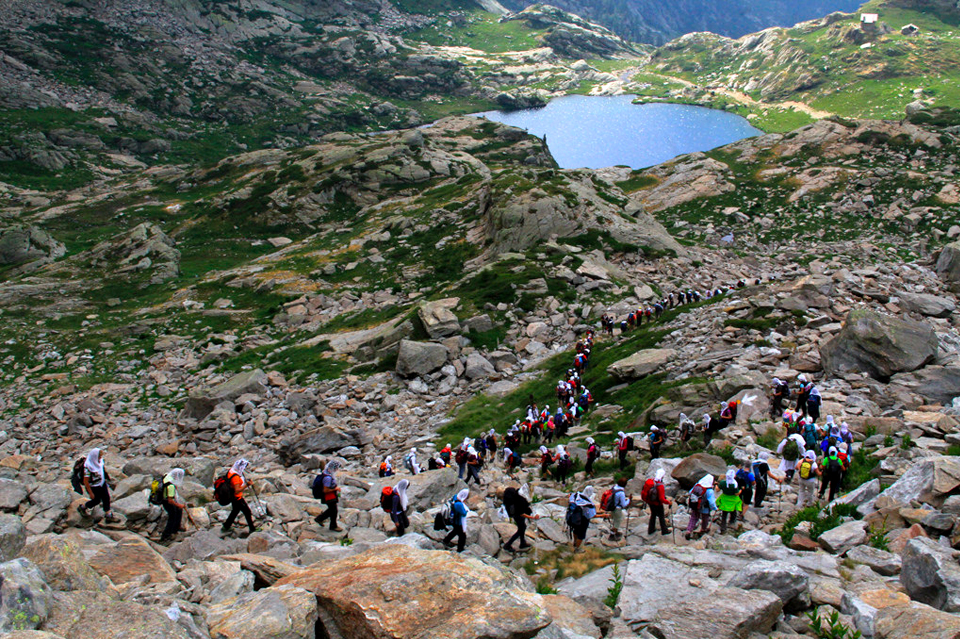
x: 823, y: 520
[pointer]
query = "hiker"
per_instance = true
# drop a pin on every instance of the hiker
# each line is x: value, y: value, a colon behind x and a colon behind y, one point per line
x: 593, y: 453
x: 446, y: 453
x: 803, y: 393
x: 813, y: 402
x: 386, y: 467
x: 831, y: 475
x: 810, y: 432
x: 458, y: 514
x: 746, y: 480
x: 96, y: 481
x: 808, y: 471
x: 729, y: 502
x: 512, y: 460
x: 762, y: 474
x: 657, y: 440
x: 410, y: 462
x: 329, y: 493
x: 702, y: 501
x: 846, y: 437
x: 686, y: 428
x: 710, y: 426
x: 473, y: 466
x: 790, y: 450
x: 781, y: 392
x: 461, y: 459
x: 491, y: 442
x: 546, y: 459
x: 171, y: 504
x: 617, y: 507
x: 398, y: 509
x: 238, y: 482
x: 579, y: 513
x: 518, y: 509
x: 624, y: 444
x: 727, y: 415
x: 654, y: 495
x: 564, y: 465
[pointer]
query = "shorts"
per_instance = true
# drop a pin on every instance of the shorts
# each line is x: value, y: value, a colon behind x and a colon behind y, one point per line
x: 747, y: 496
x: 580, y: 532
x: 616, y: 518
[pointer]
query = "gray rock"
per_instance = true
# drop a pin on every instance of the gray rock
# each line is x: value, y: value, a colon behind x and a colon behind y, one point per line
x: 21, y: 244
x: 590, y: 589
x: 12, y: 537
x: 939, y: 384
x: 477, y: 367
x: 239, y: 583
x: 641, y: 363
x: 862, y: 494
x: 879, y: 346
x: 726, y: 613
x: 930, y: 480
x: 426, y: 490
x: 12, y: 494
x: 930, y: 574
x: 948, y: 263
x: 316, y: 442
x: 654, y: 583
x: 51, y: 500
x: 144, y: 247
x: 938, y: 524
x: 203, y: 546
x: 844, y: 537
x: 200, y: 469
x: 915, y: 622
x: 693, y: 468
x: 882, y: 562
x: 439, y: 319
x: 929, y: 305
x: 25, y: 598
x: 420, y: 358
x: 202, y: 402
x: 279, y: 612
x: 134, y: 508
x: 787, y: 581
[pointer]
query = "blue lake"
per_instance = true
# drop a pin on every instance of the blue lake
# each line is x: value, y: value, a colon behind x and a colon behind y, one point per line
x: 598, y: 131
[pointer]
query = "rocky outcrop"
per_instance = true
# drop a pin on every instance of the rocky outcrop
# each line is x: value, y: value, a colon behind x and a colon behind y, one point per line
x: 929, y: 481
x: 202, y: 401
x: 420, y: 358
x: 879, y: 345
x: 948, y: 264
x: 930, y: 574
x: 928, y: 305
x: 144, y: 249
x: 693, y: 468
x: 787, y: 581
x: 438, y: 318
x: 463, y: 598
x: 641, y: 363
x: 284, y: 612
x: 25, y: 598
x: 20, y: 245
x: 573, y: 37
x: 726, y: 613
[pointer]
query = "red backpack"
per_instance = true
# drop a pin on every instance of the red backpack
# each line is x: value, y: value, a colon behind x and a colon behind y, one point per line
x: 606, y: 500
x: 386, y: 499
x: 649, y: 493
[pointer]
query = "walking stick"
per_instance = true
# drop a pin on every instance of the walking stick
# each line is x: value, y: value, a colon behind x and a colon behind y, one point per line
x: 260, y: 507
x: 673, y: 526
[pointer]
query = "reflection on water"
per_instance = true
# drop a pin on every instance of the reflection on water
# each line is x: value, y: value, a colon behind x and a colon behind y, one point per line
x: 594, y: 131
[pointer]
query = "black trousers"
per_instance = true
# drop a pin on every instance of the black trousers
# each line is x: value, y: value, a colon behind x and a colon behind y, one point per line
x: 623, y: 458
x: 589, y: 467
x: 777, y: 408
x: 461, y: 536
x: 174, y: 517
x: 330, y: 512
x: 657, y: 514
x: 101, y: 495
x: 833, y: 484
x: 238, y: 506
x: 654, y: 450
x: 400, y: 519
x: 521, y: 533
x: 473, y: 472
x: 760, y: 493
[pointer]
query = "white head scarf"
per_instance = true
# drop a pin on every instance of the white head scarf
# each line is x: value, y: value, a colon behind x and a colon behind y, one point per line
x: 706, y: 418
x: 654, y: 428
x: 240, y: 466
x: 724, y: 405
x: 588, y: 492
x: 544, y: 450
x: 471, y: 450
x: 94, y: 463
x: 802, y: 378
x: 332, y: 467
x: 621, y: 434
x: 731, y: 476
x: 413, y: 451
x: 506, y: 453
x: 463, y: 494
x: 776, y: 380
x: 829, y: 420
x: 590, y: 440
x: 449, y: 445
x: 390, y: 458
x: 832, y: 451
x: 658, y: 476
x: 176, y: 476
x: 844, y: 429
x: 706, y: 481
x: 561, y: 450
x: 401, y: 490
x: 466, y: 442
x: 683, y: 417
x: 763, y: 456
x: 810, y: 455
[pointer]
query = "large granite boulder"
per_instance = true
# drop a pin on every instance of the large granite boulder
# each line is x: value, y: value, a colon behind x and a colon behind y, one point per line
x: 930, y: 574
x: 397, y: 592
x: 283, y: 612
x: 937, y: 384
x: 693, y: 468
x: 24, y: 596
x: 915, y: 622
x: 131, y: 559
x: 727, y: 613
x: 22, y: 244
x: 85, y: 614
x: 844, y: 537
x: 60, y: 558
x: 328, y: 438
x: 426, y: 490
x: 420, y: 358
x: 200, y: 469
x: 930, y: 480
x: 879, y: 345
x: 948, y: 264
x: 784, y: 579
x: 641, y: 363
x: 438, y: 318
x: 655, y: 583
x: 928, y: 305
x: 202, y: 401
x: 12, y: 494
x: 13, y: 536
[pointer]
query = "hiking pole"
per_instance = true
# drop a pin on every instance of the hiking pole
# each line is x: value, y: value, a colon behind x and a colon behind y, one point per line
x: 260, y: 507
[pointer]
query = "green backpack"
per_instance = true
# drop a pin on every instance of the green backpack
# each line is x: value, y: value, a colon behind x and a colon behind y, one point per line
x: 791, y: 451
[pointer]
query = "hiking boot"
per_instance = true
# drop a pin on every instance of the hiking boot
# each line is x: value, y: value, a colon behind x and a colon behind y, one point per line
x: 224, y: 530
x: 110, y: 517
x: 525, y: 547
x: 82, y: 509
x: 337, y: 529
x: 318, y: 519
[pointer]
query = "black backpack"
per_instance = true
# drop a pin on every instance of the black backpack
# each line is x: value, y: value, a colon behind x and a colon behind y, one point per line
x: 834, y: 468
x: 317, y: 486
x: 574, y: 516
x: 76, y: 477
x: 629, y: 443
x: 222, y: 490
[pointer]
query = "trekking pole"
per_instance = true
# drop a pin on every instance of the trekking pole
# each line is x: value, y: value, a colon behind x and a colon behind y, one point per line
x: 673, y: 526
x: 260, y: 507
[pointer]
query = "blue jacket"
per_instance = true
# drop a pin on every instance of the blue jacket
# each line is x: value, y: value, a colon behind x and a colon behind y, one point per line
x: 459, y: 510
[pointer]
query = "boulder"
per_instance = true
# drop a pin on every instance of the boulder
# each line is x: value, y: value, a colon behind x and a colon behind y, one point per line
x: 93, y: 615
x: 930, y: 480
x: 326, y: 439
x: 13, y: 536
x: 930, y: 574
x: 202, y: 401
x: 477, y: 367
x: 937, y: 384
x: 439, y: 319
x: 144, y: 247
x: 22, y: 244
x: 863, y: 606
x: 200, y: 469
x: 24, y: 596
x: 786, y: 580
x: 693, y: 468
x: 267, y: 570
x: 203, y: 545
x: 134, y: 508
x: 948, y: 263
x: 882, y: 562
x: 915, y: 622
x: 282, y: 612
x: 60, y: 558
x: 590, y: 589
x: 655, y: 583
x: 426, y: 490
x: 420, y: 358
x: 929, y: 305
x: 239, y: 583
x: 879, y: 346
x: 130, y: 559
x: 727, y: 613
x: 394, y: 591
x: 844, y: 537
x: 641, y: 363
x: 570, y: 620
x: 12, y: 494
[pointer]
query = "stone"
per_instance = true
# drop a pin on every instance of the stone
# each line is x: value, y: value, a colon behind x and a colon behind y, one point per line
x: 62, y: 562
x: 130, y: 559
x: 420, y: 358
x: 879, y: 345
x: 22, y: 244
x: 930, y: 574
x: 915, y: 622
x: 930, y: 480
x: 590, y: 589
x: 201, y: 402
x: 726, y: 613
x: 655, y: 583
x: 693, y: 468
x: 844, y: 537
x: 862, y: 494
x: 326, y: 439
x: 93, y: 615
x: 477, y: 367
x: 641, y: 363
x: 52, y: 500
x: 426, y: 490
x: 200, y: 469
x: 787, y: 581
x: 267, y: 570
x: 281, y: 612
x: 203, y: 545
x: 405, y: 593
x: 928, y: 305
x: 12, y: 494
x: 570, y: 620
x: 948, y: 263
x: 438, y: 318
x: 13, y: 535
x: 24, y: 596
x: 135, y: 507
x: 864, y: 606
x: 882, y: 562
x: 144, y: 247
x: 239, y: 583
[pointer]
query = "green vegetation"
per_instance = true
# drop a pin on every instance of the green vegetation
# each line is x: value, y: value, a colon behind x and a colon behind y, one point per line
x: 482, y: 31
x: 822, y: 520
x: 832, y: 627
x: 616, y: 587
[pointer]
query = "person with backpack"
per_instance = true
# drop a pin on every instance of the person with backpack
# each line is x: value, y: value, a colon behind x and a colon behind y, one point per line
x: 803, y: 394
x: 458, y: 515
x: 624, y: 444
x: 710, y: 425
x: 461, y: 459
x: 398, y: 507
x: 654, y: 495
x: 810, y: 433
x: 746, y: 480
x: 96, y: 481
x: 473, y: 466
x: 657, y: 439
x: 491, y: 442
x: 446, y: 454
x: 832, y: 474
x: 686, y: 427
x: 808, y: 472
x: 325, y: 489
x: 593, y: 453
x: 564, y: 465
x: 814, y: 400
x: 781, y: 393
x: 615, y: 502
x: 702, y: 501
x: 386, y: 467
x: 546, y: 460
x: 790, y: 450
x: 729, y: 502
x: 727, y: 415
x: 580, y: 511
x: 236, y: 482
x: 762, y: 475
x: 846, y: 437
x: 171, y: 503
x: 512, y: 460
x: 410, y: 462
x: 518, y: 509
